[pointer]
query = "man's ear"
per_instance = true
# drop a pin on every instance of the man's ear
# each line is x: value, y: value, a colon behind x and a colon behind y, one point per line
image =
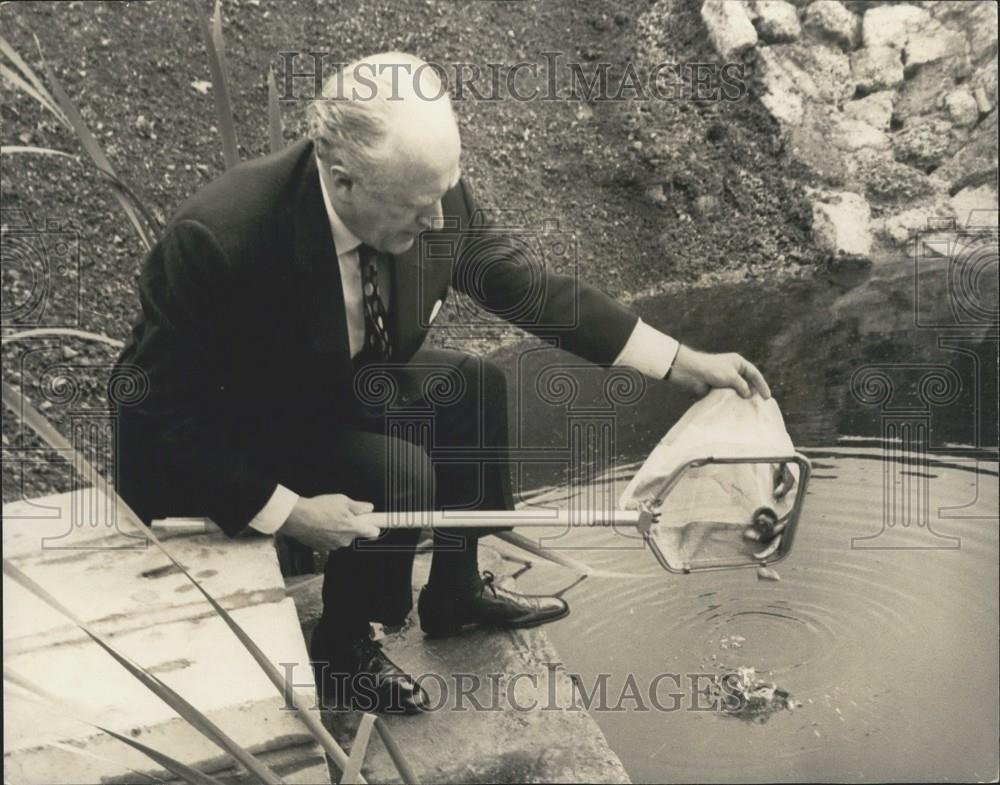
x: 343, y: 183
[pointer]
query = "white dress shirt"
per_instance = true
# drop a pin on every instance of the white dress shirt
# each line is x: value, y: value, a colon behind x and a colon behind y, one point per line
x: 647, y: 350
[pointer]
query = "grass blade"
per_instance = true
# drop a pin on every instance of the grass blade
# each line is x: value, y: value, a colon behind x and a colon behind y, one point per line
x: 16, y: 82
x: 40, y: 93
x: 93, y: 149
x: 399, y: 760
x: 69, y: 332
x: 352, y: 771
x: 274, y: 124
x: 194, y: 717
x: 44, y: 429
x: 215, y: 45
x: 8, y: 149
x: 112, y: 180
x: 54, y: 705
x: 105, y: 759
x: 187, y: 773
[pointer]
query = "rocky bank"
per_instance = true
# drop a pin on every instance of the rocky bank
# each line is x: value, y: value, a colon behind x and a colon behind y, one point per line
x: 887, y: 111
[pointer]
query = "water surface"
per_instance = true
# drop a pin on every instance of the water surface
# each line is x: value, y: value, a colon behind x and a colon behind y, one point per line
x: 884, y: 625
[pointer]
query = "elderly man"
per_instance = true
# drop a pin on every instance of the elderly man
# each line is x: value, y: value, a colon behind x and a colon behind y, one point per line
x: 272, y: 293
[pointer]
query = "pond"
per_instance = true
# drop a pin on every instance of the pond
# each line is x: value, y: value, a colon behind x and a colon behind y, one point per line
x: 883, y: 626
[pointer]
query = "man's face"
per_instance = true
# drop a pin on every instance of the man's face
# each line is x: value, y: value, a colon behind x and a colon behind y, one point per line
x: 416, y: 170
x: 390, y: 216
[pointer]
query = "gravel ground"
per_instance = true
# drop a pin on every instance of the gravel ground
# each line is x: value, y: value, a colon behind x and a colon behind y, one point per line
x: 655, y: 193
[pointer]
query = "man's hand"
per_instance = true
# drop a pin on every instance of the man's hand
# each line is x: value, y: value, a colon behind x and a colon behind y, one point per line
x: 328, y: 522
x: 701, y: 372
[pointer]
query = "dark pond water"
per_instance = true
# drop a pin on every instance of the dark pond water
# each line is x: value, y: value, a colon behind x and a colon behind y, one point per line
x: 884, y: 625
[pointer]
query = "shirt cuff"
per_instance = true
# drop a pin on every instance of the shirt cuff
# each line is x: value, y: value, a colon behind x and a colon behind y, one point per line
x: 648, y: 351
x: 274, y: 514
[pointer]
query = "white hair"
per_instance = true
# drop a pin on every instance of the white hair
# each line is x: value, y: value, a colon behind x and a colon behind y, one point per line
x: 349, y: 123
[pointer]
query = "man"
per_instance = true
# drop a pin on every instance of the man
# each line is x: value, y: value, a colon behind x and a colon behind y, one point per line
x: 275, y: 294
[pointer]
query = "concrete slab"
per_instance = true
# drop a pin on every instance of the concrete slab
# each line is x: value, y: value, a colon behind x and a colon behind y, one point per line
x: 503, y: 706
x: 153, y: 615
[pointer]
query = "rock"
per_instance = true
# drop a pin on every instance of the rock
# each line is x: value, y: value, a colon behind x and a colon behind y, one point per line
x: 922, y: 94
x: 818, y: 72
x: 975, y: 162
x: 784, y: 106
x: 874, y: 109
x: 876, y: 68
x: 981, y: 25
x: 729, y: 28
x: 962, y: 108
x: 841, y: 224
x: 776, y: 21
x: 976, y: 206
x: 985, y: 86
x: 809, y: 145
x: 706, y: 205
x: 924, y: 145
x: 903, y: 227
x: 885, y: 180
x: 892, y: 25
x: 983, y: 102
x: 850, y: 134
x: 655, y: 194
x: 934, y: 42
x: 830, y: 20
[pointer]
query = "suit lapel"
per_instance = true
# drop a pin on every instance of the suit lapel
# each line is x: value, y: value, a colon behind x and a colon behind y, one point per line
x: 321, y: 292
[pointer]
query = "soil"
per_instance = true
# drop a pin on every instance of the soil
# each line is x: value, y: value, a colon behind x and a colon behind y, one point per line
x: 656, y: 193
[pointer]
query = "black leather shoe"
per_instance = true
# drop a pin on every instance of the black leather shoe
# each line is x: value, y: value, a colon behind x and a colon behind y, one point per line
x: 357, y: 674
x: 490, y: 605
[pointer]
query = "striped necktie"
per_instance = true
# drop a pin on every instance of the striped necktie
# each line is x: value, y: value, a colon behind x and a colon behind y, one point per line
x: 378, y: 346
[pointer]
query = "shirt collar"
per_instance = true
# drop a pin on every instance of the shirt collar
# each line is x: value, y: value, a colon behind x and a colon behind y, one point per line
x: 344, y: 240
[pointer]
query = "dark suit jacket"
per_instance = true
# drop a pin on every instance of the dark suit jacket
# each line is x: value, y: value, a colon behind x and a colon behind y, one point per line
x: 243, y: 337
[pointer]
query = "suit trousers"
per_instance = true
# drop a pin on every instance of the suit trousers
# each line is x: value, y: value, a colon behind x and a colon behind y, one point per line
x: 429, y: 435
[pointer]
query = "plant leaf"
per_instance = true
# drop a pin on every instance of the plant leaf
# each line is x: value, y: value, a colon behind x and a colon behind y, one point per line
x: 59, y: 706
x: 274, y: 113
x: 16, y: 82
x: 215, y: 45
x: 398, y: 759
x: 96, y: 153
x: 37, y: 89
x: 31, y: 150
x: 187, y: 773
x: 41, y: 426
x: 352, y: 771
x: 194, y: 717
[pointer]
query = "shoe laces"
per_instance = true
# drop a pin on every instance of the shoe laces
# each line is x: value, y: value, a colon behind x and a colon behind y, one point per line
x: 488, y: 581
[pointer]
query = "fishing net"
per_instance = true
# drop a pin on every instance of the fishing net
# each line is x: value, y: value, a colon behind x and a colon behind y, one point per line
x: 712, y: 504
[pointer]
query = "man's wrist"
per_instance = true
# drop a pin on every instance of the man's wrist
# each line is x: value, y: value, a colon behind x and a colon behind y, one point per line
x: 649, y: 351
x: 275, y: 512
